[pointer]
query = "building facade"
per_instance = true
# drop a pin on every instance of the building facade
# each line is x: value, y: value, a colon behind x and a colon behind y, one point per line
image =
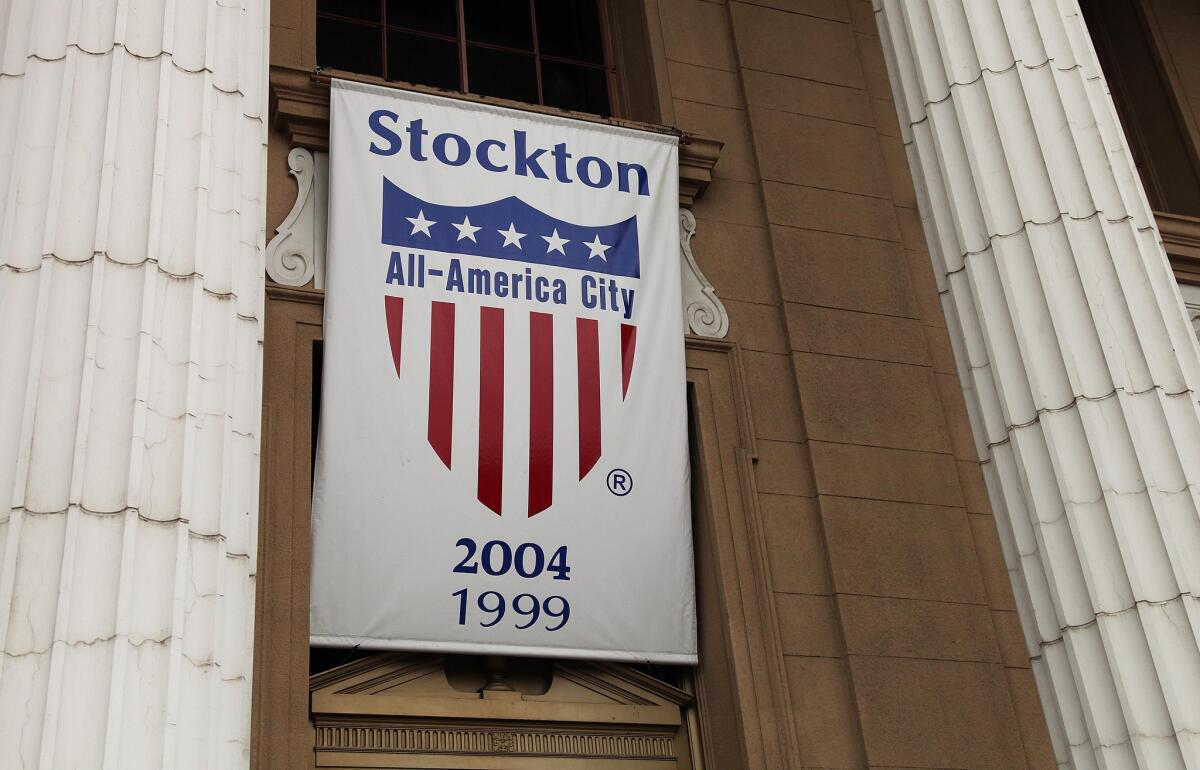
x: 940, y: 266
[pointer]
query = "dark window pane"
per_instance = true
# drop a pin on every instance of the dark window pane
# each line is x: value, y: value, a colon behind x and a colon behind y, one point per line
x: 503, y: 74
x: 569, y: 28
x: 440, y: 16
x: 425, y: 60
x: 500, y: 22
x: 355, y: 9
x: 575, y: 88
x: 350, y: 47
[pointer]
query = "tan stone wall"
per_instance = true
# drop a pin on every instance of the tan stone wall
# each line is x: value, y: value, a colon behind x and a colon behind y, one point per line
x: 900, y: 636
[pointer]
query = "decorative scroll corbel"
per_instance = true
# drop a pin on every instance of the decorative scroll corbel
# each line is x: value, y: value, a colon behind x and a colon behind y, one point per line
x: 296, y: 255
x: 703, y: 313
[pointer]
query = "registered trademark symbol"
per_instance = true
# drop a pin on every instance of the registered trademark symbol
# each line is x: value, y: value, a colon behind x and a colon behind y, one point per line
x: 620, y: 483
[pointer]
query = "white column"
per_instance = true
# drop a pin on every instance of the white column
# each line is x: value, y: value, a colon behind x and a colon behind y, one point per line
x: 132, y: 164
x: 1079, y: 367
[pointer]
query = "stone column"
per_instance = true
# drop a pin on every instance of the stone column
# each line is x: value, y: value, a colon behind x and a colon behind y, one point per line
x: 132, y: 160
x: 1079, y: 367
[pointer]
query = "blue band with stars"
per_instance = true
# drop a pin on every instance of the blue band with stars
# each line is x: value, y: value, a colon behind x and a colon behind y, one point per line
x: 509, y: 229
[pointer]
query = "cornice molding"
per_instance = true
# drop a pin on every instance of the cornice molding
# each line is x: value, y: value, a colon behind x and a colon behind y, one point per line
x: 1181, y: 239
x: 697, y: 156
x: 300, y: 110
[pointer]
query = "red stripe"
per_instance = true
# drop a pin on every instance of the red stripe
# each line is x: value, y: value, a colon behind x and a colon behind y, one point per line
x: 393, y: 307
x: 441, y: 379
x: 491, y: 406
x: 587, y: 345
x: 541, y: 412
x: 628, y: 344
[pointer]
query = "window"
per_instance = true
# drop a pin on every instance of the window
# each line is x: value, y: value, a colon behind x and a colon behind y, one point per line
x: 552, y: 52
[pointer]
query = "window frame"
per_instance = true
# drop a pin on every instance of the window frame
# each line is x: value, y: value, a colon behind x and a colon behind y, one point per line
x: 607, y: 66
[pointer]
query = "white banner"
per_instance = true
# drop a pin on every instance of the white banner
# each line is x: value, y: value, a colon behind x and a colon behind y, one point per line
x: 502, y: 464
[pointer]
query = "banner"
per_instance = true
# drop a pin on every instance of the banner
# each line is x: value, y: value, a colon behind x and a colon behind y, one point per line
x: 502, y: 463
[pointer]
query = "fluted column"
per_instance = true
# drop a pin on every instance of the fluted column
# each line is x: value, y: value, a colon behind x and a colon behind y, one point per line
x: 132, y: 163
x: 1079, y: 367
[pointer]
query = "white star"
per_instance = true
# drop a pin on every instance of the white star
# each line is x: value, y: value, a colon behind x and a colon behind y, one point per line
x: 421, y: 224
x: 555, y: 243
x: 466, y: 229
x: 596, y: 248
x: 511, y: 236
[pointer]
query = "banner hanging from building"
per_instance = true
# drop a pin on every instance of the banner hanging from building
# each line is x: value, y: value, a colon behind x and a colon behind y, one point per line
x: 502, y: 463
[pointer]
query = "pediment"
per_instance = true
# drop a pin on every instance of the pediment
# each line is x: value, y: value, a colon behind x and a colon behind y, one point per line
x: 408, y: 683
x: 385, y: 675
x: 415, y: 710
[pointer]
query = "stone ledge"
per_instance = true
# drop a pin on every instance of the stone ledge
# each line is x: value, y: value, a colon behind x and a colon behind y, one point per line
x: 300, y: 109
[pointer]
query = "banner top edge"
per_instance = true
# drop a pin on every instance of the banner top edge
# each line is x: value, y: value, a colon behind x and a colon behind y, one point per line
x: 665, y: 134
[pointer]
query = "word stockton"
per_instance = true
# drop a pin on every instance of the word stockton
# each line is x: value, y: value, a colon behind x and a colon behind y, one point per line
x: 496, y: 156
x: 596, y: 292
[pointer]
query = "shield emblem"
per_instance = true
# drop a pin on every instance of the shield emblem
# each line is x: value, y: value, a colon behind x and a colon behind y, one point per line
x: 510, y: 234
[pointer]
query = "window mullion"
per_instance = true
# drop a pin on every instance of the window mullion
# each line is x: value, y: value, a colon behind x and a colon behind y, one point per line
x: 537, y: 56
x: 383, y: 30
x: 610, y: 71
x: 353, y: 50
x: 462, y: 48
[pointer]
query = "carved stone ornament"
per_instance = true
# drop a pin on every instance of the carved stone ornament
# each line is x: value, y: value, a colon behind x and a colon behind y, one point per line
x: 296, y: 255
x: 703, y: 313
x: 504, y: 743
